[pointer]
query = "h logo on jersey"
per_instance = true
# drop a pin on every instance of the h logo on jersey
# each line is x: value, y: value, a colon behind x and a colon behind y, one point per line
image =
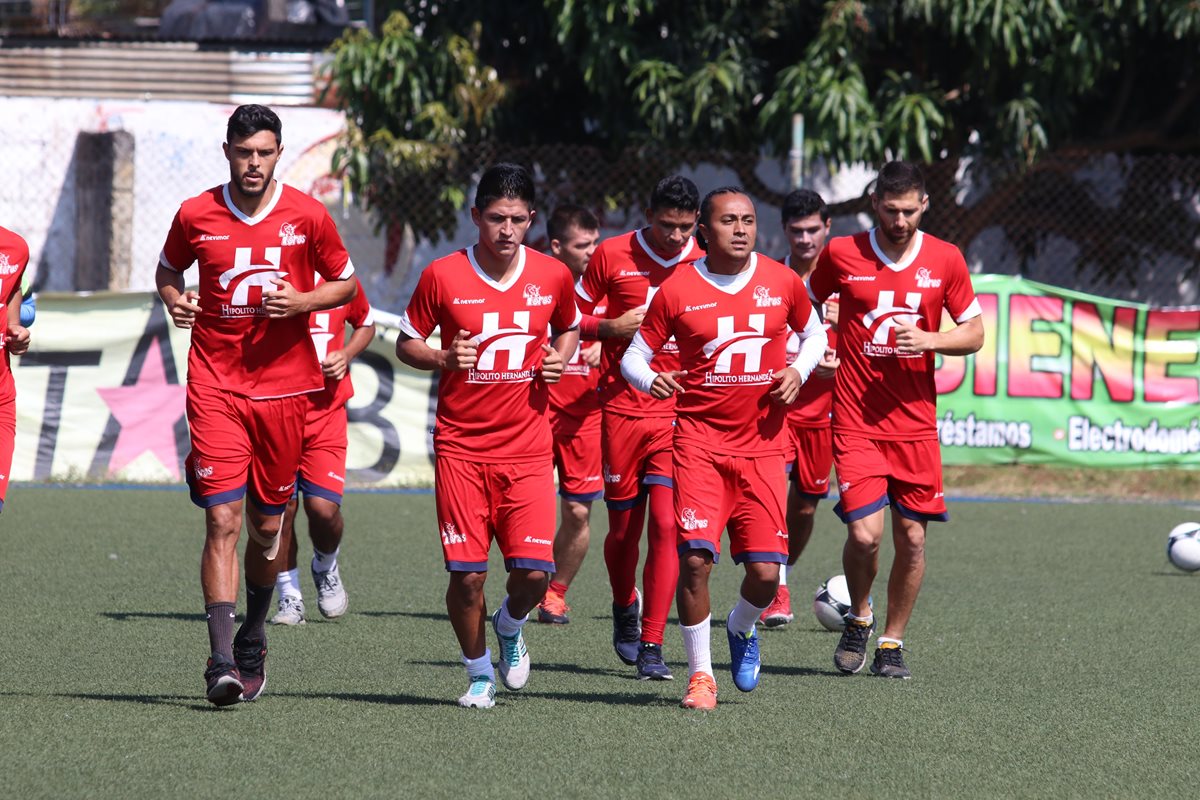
x: 925, y: 279
x: 763, y: 299
x: 886, y: 317
x: 288, y: 235
x: 533, y: 296
x: 5, y: 267
x: 748, y: 344
x: 247, y: 281
x: 321, y: 334
x: 501, y: 351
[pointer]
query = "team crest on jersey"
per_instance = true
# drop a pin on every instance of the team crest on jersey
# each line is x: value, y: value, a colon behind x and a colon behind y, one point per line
x: 450, y: 534
x: 925, y: 279
x: 534, y: 297
x: 7, y: 268
x: 288, y: 235
x: 763, y: 299
x: 689, y: 522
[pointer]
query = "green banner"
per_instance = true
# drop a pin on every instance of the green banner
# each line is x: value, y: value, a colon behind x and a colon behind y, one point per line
x: 1067, y: 378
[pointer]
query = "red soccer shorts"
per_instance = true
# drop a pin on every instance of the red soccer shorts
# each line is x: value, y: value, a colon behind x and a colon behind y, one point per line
x: 577, y: 456
x: 323, y: 459
x: 873, y: 473
x: 511, y: 503
x: 8, y: 438
x: 237, y: 442
x: 746, y: 494
x: 636, y: 450
x: 811, y: 460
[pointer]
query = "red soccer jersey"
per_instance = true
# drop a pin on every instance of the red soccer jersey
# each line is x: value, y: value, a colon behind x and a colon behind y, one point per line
x: 575, y: 395
x: 732, y: 333
x: 815, y: 401
x: 879, y: 393
x: 496, y: 412
x: 235, y: 346
x: 628, y: 272
x: 14, y: 256
x: 328, y: 331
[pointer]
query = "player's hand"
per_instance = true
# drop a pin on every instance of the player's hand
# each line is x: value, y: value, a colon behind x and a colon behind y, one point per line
x: 591, y: 354
x: 828, y: 364
x: 552, y: 364
x: 16, y: 339
x: 284, y: 301
x: 787, y: 386
x: 911, y: 340
x: 462, y: 352
x: 335, y: 365
x: 626, y: 325
x: 666, y: 384
x: 185, y: 308
x: 831, y: 312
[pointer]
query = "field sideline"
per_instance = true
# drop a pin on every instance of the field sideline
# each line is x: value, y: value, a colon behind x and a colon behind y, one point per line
x: 1053, y: 650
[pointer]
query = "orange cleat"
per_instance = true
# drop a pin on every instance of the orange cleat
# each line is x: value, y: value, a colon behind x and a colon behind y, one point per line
x: 553, y: 609
x: 701, y: 692
x: 779, y: 613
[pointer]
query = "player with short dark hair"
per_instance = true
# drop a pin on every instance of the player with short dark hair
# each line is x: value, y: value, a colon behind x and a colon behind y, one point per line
x: 893, y: 283
x: 14, y: 258
x: 509, y: 322
x: 636, y: 429
x: 731, y: 315
x: 806, y: 222
x: 322, y: 476
x: 259, y: 245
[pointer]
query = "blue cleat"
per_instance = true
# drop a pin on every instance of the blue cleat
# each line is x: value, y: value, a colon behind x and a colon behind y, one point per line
x: 627, y: 630
x: 744, y: 660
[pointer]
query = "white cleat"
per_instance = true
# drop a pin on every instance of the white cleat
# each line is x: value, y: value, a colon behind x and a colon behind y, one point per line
x: 332, y: 599
x: 291, y: 611
x: 481, y: 693
x: 514, y: 657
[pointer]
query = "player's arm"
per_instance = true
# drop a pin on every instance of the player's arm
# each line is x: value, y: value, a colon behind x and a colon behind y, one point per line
x: 561, y: 347
x: 963, y: 339
x: 813, y: 344
x: 16, y: 336
x: 623, y: 327
x: 416, y: 353
x: 182, y: 306
x: 635, y: 366
x: 285, y: 301
x: 337, y: 363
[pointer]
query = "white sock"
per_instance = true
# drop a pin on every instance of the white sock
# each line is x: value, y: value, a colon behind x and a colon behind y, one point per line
x: 288, y: 583
x: 481, y: 666
x: 882, y: 640
x: 783, y: 571
x: 697, y: 643
x: 744, y: 615
x: 506, y: 624
x: 323, y: 562
x: 867, y: 620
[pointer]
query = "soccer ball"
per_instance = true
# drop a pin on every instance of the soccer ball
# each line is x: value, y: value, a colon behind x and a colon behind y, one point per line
x: 1183, y: 546
x: 832, y: 603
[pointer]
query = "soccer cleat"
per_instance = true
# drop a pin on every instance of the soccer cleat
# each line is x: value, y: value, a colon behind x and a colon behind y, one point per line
x: 332, y: 599
x: 627, y: 630
x: 701, y: 692
x: 889, y: 663
x: 851, y: 652
x: 291, y: 611
x: 779, y: 613
x: 514, y: 657
x: 223, y: 685
x: 251, y: 658
x: 650, y: 664
x: 553, y: 609
x: 480, y: 694
x: 744, y: 659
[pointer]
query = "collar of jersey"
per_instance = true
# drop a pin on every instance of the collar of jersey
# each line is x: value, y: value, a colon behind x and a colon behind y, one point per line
x: 898, y: 266
x: 237, y: 212
x: 730, y: 284
x: 663, y: 262
x: 497, y: 285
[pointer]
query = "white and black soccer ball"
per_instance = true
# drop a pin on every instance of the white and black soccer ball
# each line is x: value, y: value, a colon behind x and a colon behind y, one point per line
x: 832, y: 603
x: 1183, y: 546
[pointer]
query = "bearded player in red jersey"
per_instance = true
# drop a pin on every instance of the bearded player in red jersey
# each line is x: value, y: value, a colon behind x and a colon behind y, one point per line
x: 322, y: 476
x: 637, y: 430
x: 893, y: 282
x: 810, y: 459
x: 259, y: 245
x: 731, y: 315
x: 14, y: 257
x: 509, y: 322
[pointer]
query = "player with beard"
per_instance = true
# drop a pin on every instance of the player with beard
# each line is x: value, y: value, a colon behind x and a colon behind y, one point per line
x: 258, y: 245
x: 893, y: 283
x: 731, y: 315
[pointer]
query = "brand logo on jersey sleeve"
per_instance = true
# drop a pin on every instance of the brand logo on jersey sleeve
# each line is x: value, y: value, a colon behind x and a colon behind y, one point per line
x: 737, y: 347
x: 5, y: 267
x: 925, y: 279
x: 467, y: 301
x: 214, y: 237
x: 534, y: 297
x: 883, y: 321
x: 288, y: 235
x: 699, y: 307
x: 632, y: 273
x: 246, y: 281
x: 862, y: 278
x: 763, y: 298
x: 501, y: 352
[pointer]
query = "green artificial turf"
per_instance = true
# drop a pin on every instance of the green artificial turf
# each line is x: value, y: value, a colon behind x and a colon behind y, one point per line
x: 1053, y: 651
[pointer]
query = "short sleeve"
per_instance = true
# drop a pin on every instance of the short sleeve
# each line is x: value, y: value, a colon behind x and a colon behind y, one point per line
x: 656, y: 327
x: 823, y: 280
x: 177, y: 253
x: 593, y: 286
x: 566, y: 313
x: 802, y: 311
x: 331, y: 260
x: 359, y: 313
x: 422, y: 315
x: 960, y: 294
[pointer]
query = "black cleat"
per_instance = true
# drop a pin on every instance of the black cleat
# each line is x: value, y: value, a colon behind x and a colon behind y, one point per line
x: 851, y: 653
x: 627, y: 630
x: 889, y: 663
x: 650, y: 664
x: 223, y: 683
x: 251, y: 657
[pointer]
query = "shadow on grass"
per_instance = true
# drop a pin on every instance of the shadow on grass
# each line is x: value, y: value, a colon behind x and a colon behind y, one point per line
x: 181, y: 701
x: 124, y: 616
x: 606, y: 698
x: 541, y: 666
x: 412, y: 614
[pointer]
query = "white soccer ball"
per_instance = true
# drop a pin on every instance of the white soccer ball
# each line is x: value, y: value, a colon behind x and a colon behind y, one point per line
x: 832, y: 603
x: 1183, y: 546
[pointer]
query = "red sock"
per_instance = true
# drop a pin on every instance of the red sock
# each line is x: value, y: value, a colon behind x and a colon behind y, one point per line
x: 558, y: 588
x: 621, y: 550
x: 661, y: 573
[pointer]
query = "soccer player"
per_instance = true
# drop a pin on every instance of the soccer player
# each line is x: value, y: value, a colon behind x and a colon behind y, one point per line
x: 508, y: 323
x: 323, y: 463
x: 810, y: 456
x: 637, y: 430
x: 731, y: 316
x: 14, y: 257
x: 893, y: 281
x: 258, y: 245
